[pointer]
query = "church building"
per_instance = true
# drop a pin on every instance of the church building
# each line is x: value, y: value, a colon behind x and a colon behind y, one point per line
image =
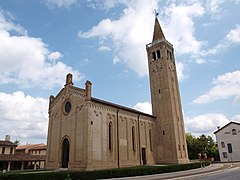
x: 86, y: 133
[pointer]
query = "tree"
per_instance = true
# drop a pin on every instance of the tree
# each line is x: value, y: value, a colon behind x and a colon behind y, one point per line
x: 16, y: 142
x: 202, y: 144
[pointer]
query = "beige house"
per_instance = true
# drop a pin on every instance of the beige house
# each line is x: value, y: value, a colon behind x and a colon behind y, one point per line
x: 228, y: 138
x: 13, y: 157
x: 34, y: 150
x: 86, y: 133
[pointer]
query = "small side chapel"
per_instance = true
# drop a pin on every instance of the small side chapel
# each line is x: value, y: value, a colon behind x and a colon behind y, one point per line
x: 86, y: 133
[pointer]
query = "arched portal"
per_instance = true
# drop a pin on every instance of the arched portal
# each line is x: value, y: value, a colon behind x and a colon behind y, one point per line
x: 65, y: 153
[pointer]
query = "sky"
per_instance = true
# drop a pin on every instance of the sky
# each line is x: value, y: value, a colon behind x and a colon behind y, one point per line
x: 104, y: 41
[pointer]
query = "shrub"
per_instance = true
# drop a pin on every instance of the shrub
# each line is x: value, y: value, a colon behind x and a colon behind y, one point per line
x: 100, y: 174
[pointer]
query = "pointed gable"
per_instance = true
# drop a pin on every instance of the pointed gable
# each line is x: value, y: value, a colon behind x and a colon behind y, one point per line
x: 158, y: 33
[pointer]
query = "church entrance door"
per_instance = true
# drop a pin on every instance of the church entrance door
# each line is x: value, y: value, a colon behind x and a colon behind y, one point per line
x: 144, y: 156
x: 65, y: 153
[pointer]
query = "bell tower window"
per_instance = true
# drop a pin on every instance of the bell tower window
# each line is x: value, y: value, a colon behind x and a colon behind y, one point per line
x: 153, y: 56
x: 169, y: 54
x: 158, y: 54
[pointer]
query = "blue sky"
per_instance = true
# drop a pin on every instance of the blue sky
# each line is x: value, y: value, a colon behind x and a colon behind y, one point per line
x: 104, y: 42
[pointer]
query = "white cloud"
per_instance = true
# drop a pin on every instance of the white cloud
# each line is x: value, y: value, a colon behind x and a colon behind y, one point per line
x: 205, y: 124
x: 134, y: 29
x: 25, y: 62
x: 236, y: 118
x: 128, y: 34
x: 8, y: 25
x: 60, y: 3
x: 145, y: 107
x: 224, y: 86
x: 180, y: 28
x: 234, y: 35
x: 180, y: 71
x: 200, y: 61
x: 104, y: 48
x: 55, y: 55
x: 23, y: 117
x: 116, y: 60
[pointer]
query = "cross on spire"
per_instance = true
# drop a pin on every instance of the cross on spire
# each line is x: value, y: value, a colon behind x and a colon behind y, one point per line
x: 156, y: 13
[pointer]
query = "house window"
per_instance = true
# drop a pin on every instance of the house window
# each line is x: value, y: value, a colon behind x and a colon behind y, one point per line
x: 234, y: 132
x: 11, y: 151
x: 3, y: 150
x: 110, y: 136
x: 225, y: 155
x: 179, y: 147
x: 223, y: 144
x: 133, y: 138
x: 150, y: 138
x: 229, y: 148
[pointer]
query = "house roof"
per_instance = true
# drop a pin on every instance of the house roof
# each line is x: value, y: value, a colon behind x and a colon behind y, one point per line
x: 22, y: 157
x: 120, y: 107
x: 106, y: 102
x: 28, y: 146
x: 39, y: 147
x: 7, y: 143
x: 232, y: 122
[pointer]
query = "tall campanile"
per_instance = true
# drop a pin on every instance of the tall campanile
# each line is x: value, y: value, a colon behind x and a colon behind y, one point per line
x: 170, y: 141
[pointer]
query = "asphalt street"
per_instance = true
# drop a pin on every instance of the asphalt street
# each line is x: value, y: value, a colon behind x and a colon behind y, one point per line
x: 225, y: 171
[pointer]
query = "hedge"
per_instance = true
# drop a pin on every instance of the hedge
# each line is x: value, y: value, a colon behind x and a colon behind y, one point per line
x: 100, y: 174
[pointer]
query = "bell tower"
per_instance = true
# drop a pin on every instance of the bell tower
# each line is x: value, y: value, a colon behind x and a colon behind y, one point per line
x: 170, y: 141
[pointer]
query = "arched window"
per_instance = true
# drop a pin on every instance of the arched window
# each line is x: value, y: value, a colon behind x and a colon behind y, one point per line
x: 150, y: 138
x: 133, y: 138
x: 223, y: 144
x: 154, y: 56
x: 158, y: 54
x: 234, y: 132
x: 110, y: 136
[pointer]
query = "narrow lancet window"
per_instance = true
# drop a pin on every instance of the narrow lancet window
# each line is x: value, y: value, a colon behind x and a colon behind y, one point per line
x: 133, y: 138
x: 150, y: 139
x: 110, y: 136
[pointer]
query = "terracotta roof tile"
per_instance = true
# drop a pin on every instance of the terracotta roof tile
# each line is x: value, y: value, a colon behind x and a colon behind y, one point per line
x: 7, y: 143
x: 21, y: 157
x: 40, y: 147
x: 28, y: 146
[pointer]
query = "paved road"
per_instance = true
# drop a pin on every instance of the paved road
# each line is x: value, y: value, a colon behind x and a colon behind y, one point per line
x: 230, y: 174
x: 227, y: 173
x: 224, y: 171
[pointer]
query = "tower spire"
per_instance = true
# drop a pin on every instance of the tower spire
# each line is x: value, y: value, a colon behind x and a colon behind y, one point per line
x: 158, y: 33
